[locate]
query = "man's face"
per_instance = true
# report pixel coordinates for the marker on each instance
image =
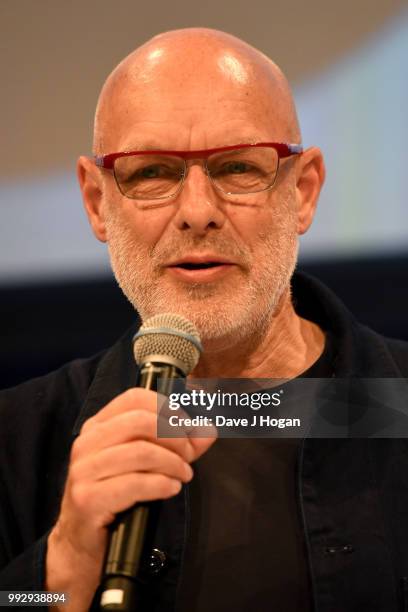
(252, 237)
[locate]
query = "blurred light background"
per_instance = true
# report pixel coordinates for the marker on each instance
(347, 65)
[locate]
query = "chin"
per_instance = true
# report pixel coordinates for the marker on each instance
(220, 320)
(223, 316)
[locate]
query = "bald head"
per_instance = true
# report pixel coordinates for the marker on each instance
(188, 75)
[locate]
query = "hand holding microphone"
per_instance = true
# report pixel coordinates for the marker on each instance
(116, 462)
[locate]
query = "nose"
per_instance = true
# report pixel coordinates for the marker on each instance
(199, 207)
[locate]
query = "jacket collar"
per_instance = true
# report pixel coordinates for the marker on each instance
(116, 372)
(359, 351)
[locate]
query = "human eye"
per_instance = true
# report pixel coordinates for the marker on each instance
(235, 170)
(148, 176)
(234, 164)
(150, 172)
(156, 171)
(235, 167)
(141, 169)
(241, 171)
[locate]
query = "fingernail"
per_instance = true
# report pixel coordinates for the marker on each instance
(177, 486)
(188, 472)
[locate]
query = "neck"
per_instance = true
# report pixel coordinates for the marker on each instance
(284, 348)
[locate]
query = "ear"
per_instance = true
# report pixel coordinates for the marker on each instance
(91, 184)
(310, 175)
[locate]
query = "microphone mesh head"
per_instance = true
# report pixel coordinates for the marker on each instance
(168, 334)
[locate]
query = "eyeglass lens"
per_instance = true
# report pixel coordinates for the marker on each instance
(154, 176)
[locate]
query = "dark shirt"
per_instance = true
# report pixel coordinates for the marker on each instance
(245, 547)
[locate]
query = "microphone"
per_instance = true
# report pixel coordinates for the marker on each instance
(166, 348)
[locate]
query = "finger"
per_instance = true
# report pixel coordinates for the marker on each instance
(201, 445)
(139, 456)
(200, 437)
(132, 399)
(127, 427)
(124, 491)
(105, 498)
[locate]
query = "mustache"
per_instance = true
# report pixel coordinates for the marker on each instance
(175, 249)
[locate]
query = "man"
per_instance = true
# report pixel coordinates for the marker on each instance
(196, 230)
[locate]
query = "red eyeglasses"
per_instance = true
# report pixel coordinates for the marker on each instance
(234, 170)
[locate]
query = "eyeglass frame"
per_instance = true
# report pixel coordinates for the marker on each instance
(284, 150)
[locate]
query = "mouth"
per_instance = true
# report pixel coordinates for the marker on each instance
(200, 269)
(197, 266)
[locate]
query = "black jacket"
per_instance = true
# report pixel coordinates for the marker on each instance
(353, 493)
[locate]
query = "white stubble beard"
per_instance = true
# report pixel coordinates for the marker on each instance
(236, 311)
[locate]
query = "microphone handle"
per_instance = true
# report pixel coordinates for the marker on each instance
(128, 532)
